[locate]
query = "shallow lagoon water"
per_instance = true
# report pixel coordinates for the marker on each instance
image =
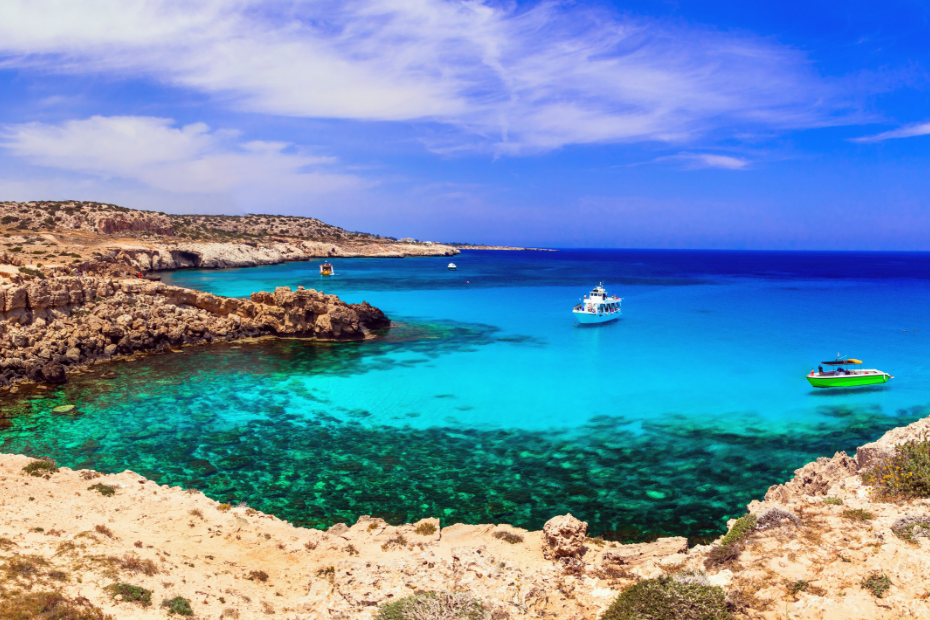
(487, 404)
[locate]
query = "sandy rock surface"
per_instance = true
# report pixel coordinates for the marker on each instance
(804, 558)
(215, 556)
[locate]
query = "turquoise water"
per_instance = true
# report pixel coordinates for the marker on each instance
(487, 404)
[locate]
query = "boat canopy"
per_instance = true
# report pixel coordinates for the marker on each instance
(842, 362)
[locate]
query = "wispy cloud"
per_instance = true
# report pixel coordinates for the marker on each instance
(696, 161)
(188, 159)
(510, 78)
(910, 131)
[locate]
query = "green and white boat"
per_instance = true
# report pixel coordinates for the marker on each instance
(839, 374)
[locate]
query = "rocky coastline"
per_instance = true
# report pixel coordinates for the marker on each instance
(51, 326)
(821, 546)
(89, 235)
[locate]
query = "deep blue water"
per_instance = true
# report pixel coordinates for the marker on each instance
(487, 403)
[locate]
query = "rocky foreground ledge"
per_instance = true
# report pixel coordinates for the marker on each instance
(120, 546)
(54, 325)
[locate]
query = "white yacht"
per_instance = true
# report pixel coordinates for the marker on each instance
(598, 306)
(452, 267)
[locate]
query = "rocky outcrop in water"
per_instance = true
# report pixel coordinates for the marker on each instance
(51, 325)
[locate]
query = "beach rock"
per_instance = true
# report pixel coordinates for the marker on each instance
(563, 536)
(54, 373)
(813, 479)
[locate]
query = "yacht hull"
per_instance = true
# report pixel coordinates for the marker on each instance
(848, 380)
(589, 319)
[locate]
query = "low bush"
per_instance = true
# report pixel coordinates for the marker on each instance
(833, 501)
(396, 541)
(135, 564)
(41, 467)
(775, 517)
(103, 529)
(857, 514)
(48, 605)
(104, 489)
(667, 599)
(258, 575)
(905, 474)
(178, 605)
(740, 529)
(876, 583)
(130, 593)
(24, 566)
(440, 605)
(722, 555)
(509, 537)
(427, 528)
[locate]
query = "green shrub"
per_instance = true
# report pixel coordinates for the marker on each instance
(740, 529)
(666, 599)
(41, 467)
(178, 605)
(905, 474)
(877, 583)
(130, 593)
(104, 489)
(833, 501)
(445, 605)
(857, 514)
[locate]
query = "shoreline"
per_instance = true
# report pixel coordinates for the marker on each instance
(233, 561)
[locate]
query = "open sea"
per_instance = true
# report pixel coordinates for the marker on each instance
(486, 403)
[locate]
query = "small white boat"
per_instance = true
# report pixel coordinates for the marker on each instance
(598, 307)
(452, 267)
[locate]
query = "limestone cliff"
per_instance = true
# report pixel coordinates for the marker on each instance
(50, 325)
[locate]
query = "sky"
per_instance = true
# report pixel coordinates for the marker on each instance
(645, 124)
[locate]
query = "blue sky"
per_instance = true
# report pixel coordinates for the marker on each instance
(793, 125)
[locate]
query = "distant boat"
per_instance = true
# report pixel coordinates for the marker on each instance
(452, 267)
(326, 269)
(598, 307)
(839, 375)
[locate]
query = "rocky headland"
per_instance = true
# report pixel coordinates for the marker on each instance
(825, 545)
(96, 237)
(53, 325)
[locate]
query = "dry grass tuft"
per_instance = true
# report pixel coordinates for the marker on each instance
(48, 606)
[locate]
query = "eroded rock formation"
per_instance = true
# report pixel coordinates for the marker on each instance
(563, 537)
(58, 323)
(814, 478)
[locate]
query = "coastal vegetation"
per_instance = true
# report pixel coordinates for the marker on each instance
(130, 594)
(435, 606)
(905, 474)
(878, 584)
(50, 605)
(669, 599)
(508, 537)
(41, 467)
(178, 605)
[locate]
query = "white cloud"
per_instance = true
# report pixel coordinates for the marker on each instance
(920, 129)
(514, 79)
(189, 159)
(695, 161)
